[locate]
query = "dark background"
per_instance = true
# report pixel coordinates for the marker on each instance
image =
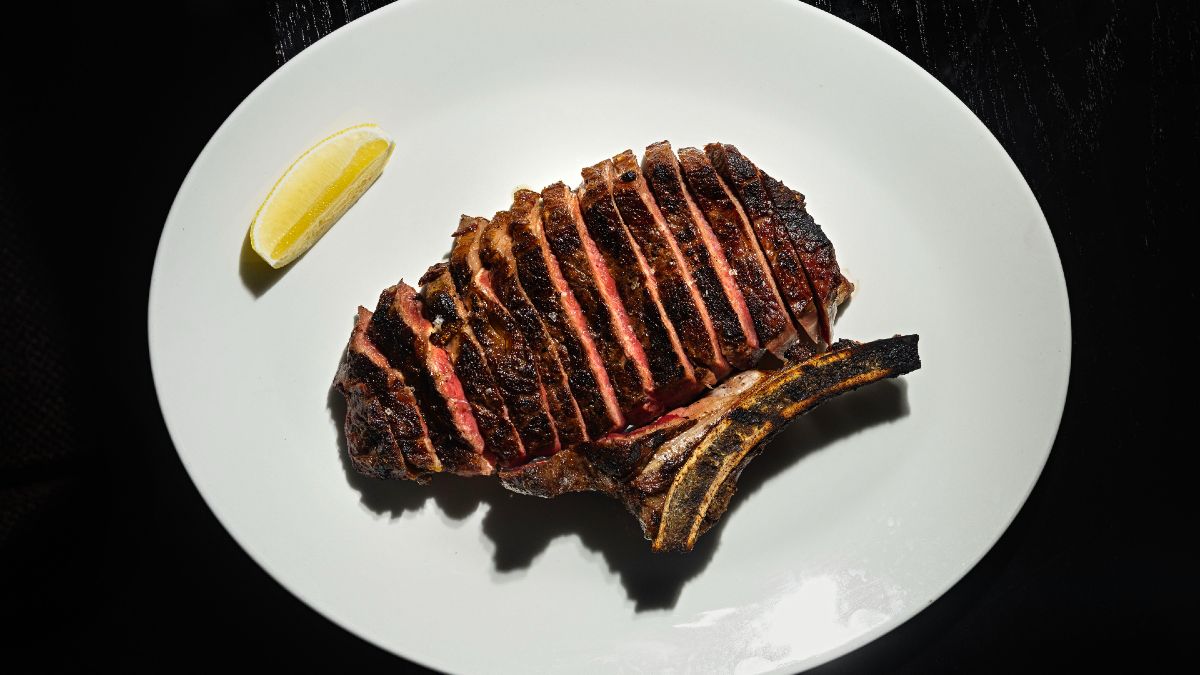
(109, 556)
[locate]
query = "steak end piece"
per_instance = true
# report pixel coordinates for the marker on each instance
(816, 253)
(383, 423)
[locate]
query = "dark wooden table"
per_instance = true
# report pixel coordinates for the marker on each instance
(108, 554)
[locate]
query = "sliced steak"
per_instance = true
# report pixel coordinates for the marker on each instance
(743, 177)
(508, 354)
(748, 265)
(670, 270)
(544, 285)
(452, 332)
(383, 423)
(594, 288)
(815, 250)
(726, 308)
(673, 379)
(549, 345)
(401, 332)
(495, 251)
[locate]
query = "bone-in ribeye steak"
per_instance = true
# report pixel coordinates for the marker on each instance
(612, 339)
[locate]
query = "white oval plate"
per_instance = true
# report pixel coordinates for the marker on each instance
(862, 514)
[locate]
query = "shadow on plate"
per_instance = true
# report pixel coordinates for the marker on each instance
(257, 276)
(522, 527)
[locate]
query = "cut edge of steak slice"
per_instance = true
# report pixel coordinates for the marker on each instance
(451, 332)
(401, 332)
(565, 323)
(495, 251)
(733, 327)
(816, 252)
(743, 177)
(729, 224)
(594, 288)
(508, 354)
(671, 272)
(672, 375)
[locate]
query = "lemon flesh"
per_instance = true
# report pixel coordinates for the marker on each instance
(316, 190)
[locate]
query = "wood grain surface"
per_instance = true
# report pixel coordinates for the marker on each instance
(108, 556)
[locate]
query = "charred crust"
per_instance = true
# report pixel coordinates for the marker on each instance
(749, 417)
(701, 488)
(466, 225)
(433, 272)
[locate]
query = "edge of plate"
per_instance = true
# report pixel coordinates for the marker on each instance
(333, 617)
(835, 23)
(1066, 348)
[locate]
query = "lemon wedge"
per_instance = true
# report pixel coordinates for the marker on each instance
(316, 190)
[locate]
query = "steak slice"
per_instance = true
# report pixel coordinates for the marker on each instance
(670, 270)
(495, 252)
(370, 443)
(673, 379)
(728, 314)
(507, 352)
(544, 284)
(743, 177)
(383, 423)
(401, 332)
(747, 264)
(451, 332)
(815, 250)
(594, 288)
